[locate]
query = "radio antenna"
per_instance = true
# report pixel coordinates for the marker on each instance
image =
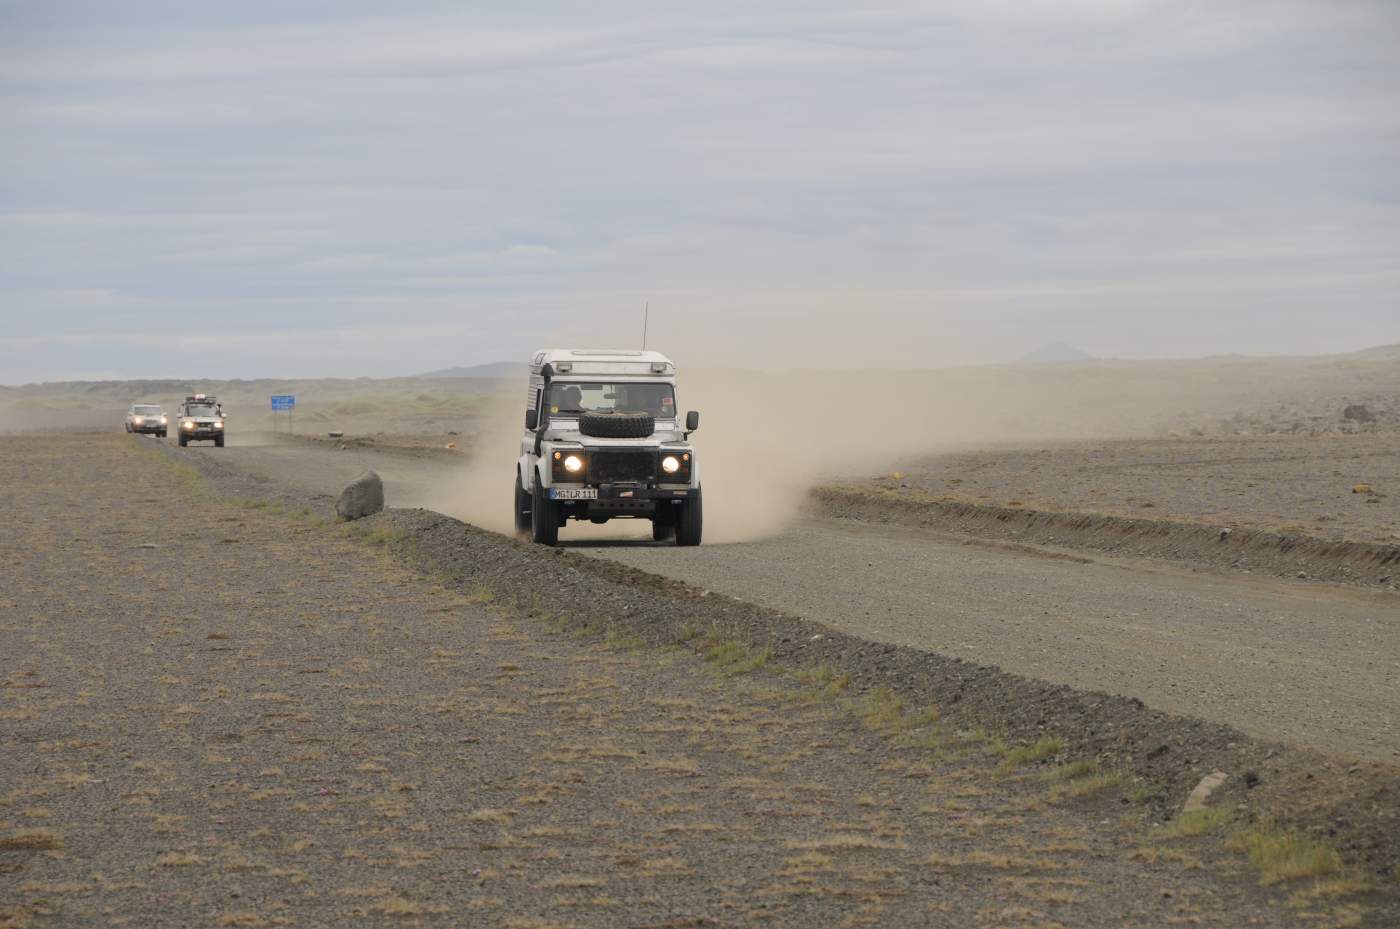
(646, 318)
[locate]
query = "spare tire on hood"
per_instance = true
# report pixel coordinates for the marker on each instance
(615, 424)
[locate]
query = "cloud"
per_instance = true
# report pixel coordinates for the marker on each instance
(1163, 170)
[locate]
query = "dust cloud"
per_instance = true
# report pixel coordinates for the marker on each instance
(767, 438)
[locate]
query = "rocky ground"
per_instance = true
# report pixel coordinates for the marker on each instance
(1336, 486)
(219, 711)
(1314, 507)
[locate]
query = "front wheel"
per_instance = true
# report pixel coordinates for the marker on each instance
(219, 442)
(690, 521)
(522, 509)
(183, 440)
(544, 517)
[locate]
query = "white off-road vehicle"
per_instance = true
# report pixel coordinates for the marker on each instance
(201, 418)
(603, 440)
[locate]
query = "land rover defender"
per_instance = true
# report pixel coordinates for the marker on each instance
(604, 440)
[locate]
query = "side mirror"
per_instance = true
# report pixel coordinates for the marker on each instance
(532, 420)
(692, 421)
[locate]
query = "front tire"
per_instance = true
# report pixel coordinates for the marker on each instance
(183, 440)
(219, 442)
(690, 521)
(522, 509)
(544, 517)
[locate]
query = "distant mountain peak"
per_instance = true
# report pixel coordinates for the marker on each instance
(1055, 352)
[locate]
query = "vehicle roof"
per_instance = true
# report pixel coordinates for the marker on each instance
(551, 355)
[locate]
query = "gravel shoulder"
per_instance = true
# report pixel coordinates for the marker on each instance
(218, 711)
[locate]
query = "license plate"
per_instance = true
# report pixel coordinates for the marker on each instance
(573, 493)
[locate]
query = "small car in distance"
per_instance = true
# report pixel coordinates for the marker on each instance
(147, 419)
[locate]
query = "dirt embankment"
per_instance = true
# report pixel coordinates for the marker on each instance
(1320, 506)
(1255, 550)
(1355, 807)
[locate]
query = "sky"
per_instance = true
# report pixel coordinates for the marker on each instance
(365, 189)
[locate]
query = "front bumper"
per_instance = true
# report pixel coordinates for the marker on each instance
(148, 428)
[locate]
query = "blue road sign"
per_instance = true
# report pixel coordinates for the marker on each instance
(283, 402)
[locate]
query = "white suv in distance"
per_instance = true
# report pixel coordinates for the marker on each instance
(201, 418)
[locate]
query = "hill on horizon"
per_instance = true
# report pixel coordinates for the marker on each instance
(494, 371)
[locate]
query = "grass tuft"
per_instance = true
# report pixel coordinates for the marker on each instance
(1020, 755)
(1197, 822)
(31, 840)
(733, 657)
(826, 676)
(1282, 855)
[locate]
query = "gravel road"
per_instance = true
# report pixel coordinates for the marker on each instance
(1313, 665)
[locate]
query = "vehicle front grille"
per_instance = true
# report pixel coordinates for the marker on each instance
(619, 467)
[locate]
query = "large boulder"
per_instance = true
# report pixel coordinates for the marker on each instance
(364, 496)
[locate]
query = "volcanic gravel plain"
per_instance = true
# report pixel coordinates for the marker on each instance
(219, 708)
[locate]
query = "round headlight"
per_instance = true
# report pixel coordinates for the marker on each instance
(187, 424)
(138, 420)
(218, 424)
(670, 464)
(573, 464)
(164, 419)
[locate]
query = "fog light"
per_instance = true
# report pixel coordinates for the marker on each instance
(670, 464)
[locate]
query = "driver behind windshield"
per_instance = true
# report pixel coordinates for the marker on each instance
(656, 399)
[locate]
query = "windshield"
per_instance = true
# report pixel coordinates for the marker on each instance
(657, 399)
(201, 409)
(146, 410)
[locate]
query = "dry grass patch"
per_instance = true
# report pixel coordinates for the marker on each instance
(397, 905)
(574, 882)
(680, 766)
(993, 861)
(884, 711)
(31, 840)
(841, 842)
(1197, 822)
(499, 817)
(1331, 889)
(1082, 786)
(1013, 757)
(825, 676)
(1281, 855)
(179, 860)
(733, 657)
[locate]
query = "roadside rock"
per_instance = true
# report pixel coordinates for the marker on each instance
(1203, 790)
(364, 496)
(1358, 413)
